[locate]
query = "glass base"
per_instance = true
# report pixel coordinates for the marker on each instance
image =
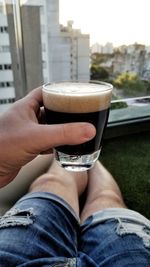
(76, 163)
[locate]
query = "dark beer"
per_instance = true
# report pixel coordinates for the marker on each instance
(98, 119)
(78, 102)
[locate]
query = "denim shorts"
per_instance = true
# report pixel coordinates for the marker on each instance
(43, 230)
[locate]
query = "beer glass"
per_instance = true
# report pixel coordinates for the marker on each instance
(66, 102)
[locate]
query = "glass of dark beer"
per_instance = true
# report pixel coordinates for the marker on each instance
(67, 102)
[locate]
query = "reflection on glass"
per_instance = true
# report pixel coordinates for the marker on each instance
(36, 48)
(130, 109)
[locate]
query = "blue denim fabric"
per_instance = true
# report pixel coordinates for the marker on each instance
(43, 230)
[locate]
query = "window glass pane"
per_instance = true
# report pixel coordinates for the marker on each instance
(119, 50)
(130, 109)
(21, 59)
(56, 40)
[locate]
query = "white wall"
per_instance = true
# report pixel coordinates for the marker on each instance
(83, 59)
(6, 75)
(4, 39)
(4, 107)
(6, 93)
(3, 20)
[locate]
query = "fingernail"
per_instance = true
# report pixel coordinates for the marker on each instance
(90, 131)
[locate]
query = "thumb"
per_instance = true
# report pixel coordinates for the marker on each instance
(49, 136)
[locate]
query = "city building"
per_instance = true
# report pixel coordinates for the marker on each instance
(7, 90)
(36, 49)
(102, 49)
(96, 48)
(133, 58)
(65, 51)
(77, 46)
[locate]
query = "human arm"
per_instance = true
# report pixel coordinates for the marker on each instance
(22, 138)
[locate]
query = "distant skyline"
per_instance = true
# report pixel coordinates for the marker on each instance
(116, 21)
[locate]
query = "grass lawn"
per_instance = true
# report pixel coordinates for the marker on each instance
(128, 159)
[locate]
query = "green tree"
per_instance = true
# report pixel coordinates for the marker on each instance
(98, 73)
(97, 58)
(130, 82)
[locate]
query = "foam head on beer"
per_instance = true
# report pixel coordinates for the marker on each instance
(72, 97)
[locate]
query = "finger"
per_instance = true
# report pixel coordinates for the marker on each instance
(34, 99)
(49, 136)
(36, 94)
(49, 151)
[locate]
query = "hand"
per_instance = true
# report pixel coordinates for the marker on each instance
(22, 138)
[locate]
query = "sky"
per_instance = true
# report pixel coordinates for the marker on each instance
(116, 21)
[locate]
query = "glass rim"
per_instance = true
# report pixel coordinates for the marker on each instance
(107, 86)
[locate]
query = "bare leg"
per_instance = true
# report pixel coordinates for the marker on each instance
(103, 192)
(68, 185)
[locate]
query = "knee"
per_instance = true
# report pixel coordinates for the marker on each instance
(108, 198)
(111, 196)
(44, 181)
(50, 180)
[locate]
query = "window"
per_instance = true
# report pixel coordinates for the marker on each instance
(4, 48)
(7, 101)
(6, 84)
(5, 67)
(2, 84)
(3, 29)
(123, 63)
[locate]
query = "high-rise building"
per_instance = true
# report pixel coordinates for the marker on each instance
(102, 49)
(65, 51)
(7, 90)
(35, 48)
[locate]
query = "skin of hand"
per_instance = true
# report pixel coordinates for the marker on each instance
(23, 136)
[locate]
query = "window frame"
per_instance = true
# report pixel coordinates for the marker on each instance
(128, 126)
